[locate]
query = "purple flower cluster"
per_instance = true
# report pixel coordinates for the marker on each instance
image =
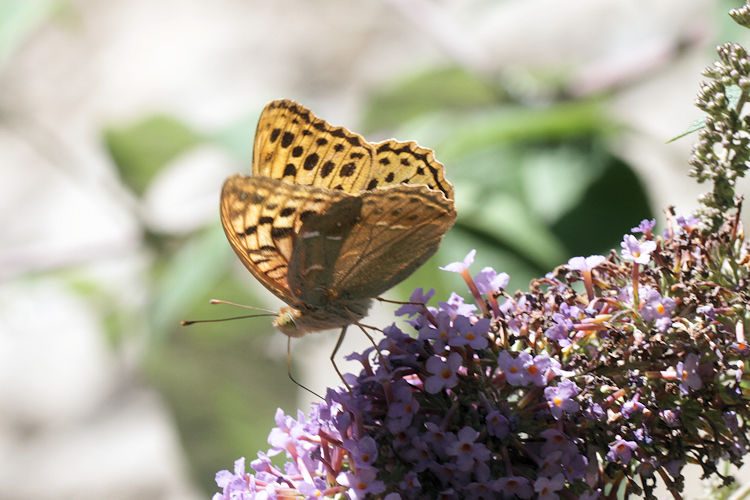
(545, 394)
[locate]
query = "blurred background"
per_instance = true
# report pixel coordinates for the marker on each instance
(120, 119)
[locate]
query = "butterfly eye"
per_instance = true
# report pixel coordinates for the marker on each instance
(291, 321)
(286, 321)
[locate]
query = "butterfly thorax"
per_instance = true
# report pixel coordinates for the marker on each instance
(295, 322)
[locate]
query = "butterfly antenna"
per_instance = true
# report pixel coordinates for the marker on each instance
(289, 369)
(219, 301)
(192, 322)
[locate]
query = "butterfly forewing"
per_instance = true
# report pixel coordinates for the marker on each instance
(398, 163)
(369, 248)
(293, 145)
(262, 217)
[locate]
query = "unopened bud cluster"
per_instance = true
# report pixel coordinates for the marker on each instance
(722, 152)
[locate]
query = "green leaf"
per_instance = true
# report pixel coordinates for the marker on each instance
(554, 178)
(511, 195)
(237, 138)
(539, 184)
(431, 90)
(697, 125)
(614, 202)
(513, 227)
(733, 96)
(185, 277)
(733, 92)
(560, 122)
(141, 149)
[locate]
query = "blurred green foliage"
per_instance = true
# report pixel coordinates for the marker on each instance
(217, 377)
(140, 150)
(535, 185)
(435, 89)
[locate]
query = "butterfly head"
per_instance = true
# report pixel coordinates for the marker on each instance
(294, 322)
(288, 321)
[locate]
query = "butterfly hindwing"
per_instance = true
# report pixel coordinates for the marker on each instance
(362, 246)
(315, 260)
(294, 145)
(399, 229)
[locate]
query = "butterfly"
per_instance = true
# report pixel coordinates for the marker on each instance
(329, 221)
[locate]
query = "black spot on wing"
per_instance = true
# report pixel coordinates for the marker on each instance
(347, 170)
(281, 232)
(311, 161)
(248, 231)
(306, 214)
(327, 169)
(290, 169)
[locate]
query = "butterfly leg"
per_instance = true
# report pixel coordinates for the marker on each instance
(429, 315)
(362, 327)
(333, 357)
(399, 302)
(289, 369)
